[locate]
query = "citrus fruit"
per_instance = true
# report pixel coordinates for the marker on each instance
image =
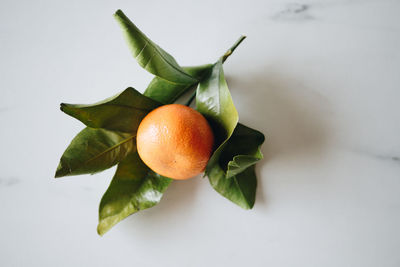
(175, 141)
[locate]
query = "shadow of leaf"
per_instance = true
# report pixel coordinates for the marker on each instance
(173, 207)
(291, 115)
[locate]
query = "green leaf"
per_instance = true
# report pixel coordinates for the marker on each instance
(150, 56)
(167, 92)
(134, 187)
(242, 150)
(231, 168)
(214, 101)
(94, 150)
(240, 189)
(123, 112)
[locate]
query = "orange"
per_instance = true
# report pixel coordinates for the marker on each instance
(175, 141)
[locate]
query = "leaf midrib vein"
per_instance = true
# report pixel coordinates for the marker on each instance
(110, 148)
(117, 105)
(240, 190)
(161, 55)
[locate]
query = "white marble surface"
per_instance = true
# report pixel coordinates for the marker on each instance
(320, 78)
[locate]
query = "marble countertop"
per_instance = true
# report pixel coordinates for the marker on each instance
(319, 78)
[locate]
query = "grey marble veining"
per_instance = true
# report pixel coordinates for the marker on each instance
(384, 157)
(9, 181)
(294, 12)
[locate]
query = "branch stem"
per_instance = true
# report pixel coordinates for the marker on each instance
(230, 50)
(223, 58)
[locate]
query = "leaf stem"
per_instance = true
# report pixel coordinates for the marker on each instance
(223, 58)
(230, 50)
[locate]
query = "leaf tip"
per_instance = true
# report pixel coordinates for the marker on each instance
(62, 106)
(118, 12)
(61, 171)
(67, 108)
(119, 15)
(100, 230)
(248, 205)
(58, 174)
(103, 227)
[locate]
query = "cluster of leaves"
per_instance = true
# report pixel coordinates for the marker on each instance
(109, 137)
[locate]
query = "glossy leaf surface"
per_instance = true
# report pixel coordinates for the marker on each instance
(167, 92)
(214, 101)
(134, 187)
(94, 150)
(150, 56)
(231, 172)
(123, 112)
(242, 150)
(240, 189)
